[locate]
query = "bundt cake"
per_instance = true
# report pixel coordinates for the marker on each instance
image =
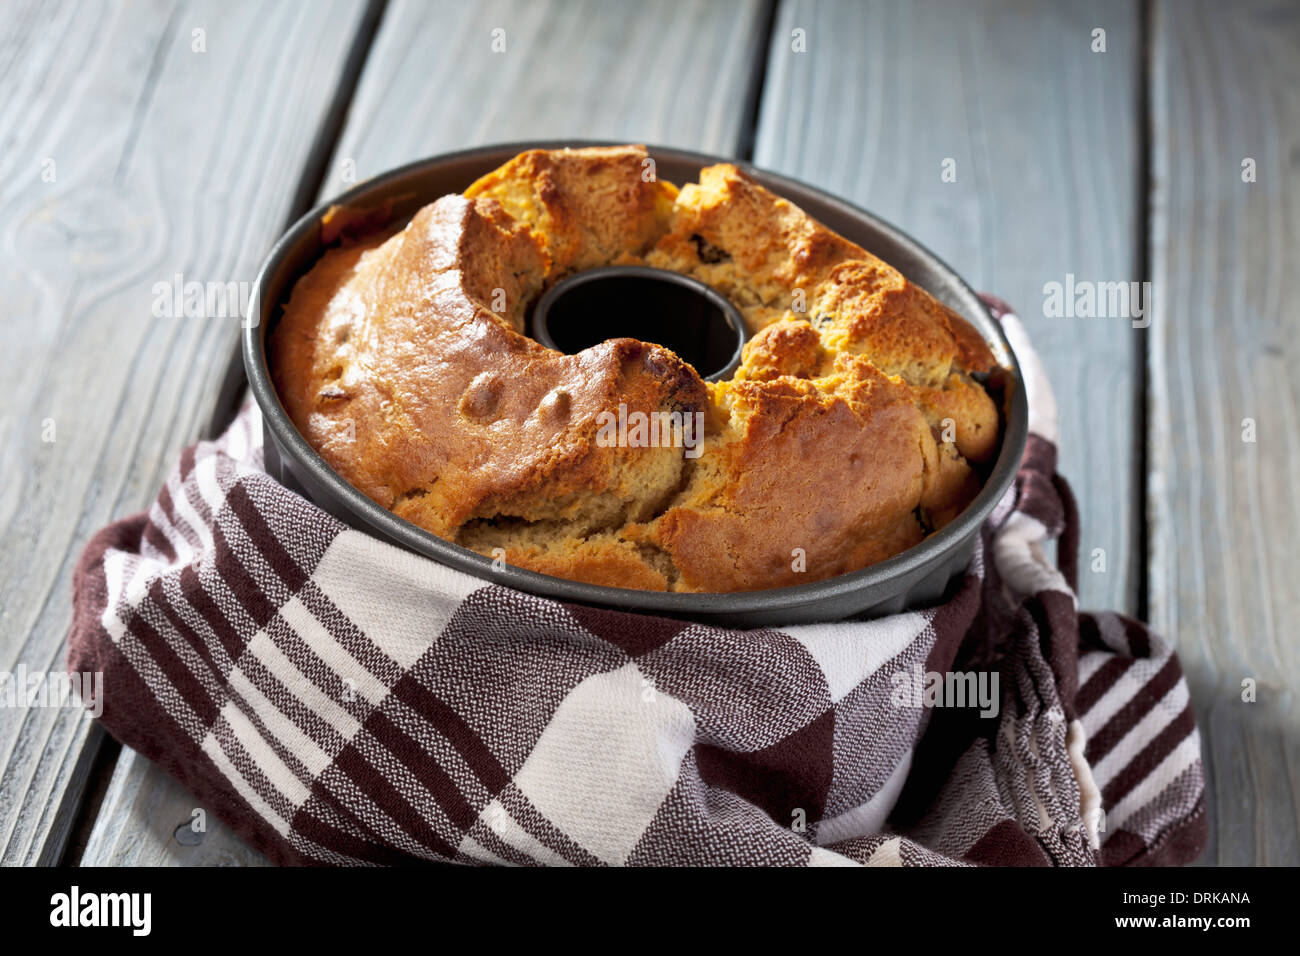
(848, 433)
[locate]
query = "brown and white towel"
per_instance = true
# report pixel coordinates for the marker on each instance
(338, 700)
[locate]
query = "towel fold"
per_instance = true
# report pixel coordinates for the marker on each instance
(338, 700)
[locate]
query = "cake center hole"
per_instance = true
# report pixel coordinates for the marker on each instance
(653, 305)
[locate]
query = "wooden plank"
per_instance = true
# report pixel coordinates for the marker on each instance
(1044, 135)
(151, 827)
(1226, 511)
(669, 73)
(656, 71)
(135, 149)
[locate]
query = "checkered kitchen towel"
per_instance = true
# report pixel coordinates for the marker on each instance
(337, 700)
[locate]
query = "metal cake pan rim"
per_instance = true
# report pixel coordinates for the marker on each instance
(768, 601)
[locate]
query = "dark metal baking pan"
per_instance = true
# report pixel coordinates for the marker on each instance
(919, 576)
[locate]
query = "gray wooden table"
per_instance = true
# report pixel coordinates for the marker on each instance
(146, 139)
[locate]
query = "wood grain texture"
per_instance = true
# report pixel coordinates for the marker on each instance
(670, 73)
(145, 824)
(656, 71)
(165, 160)
(1226, 512)
(1044, 135)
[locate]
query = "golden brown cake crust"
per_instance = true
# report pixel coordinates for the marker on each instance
(842, 440)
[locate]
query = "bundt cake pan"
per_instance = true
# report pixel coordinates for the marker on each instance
(917, 577)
